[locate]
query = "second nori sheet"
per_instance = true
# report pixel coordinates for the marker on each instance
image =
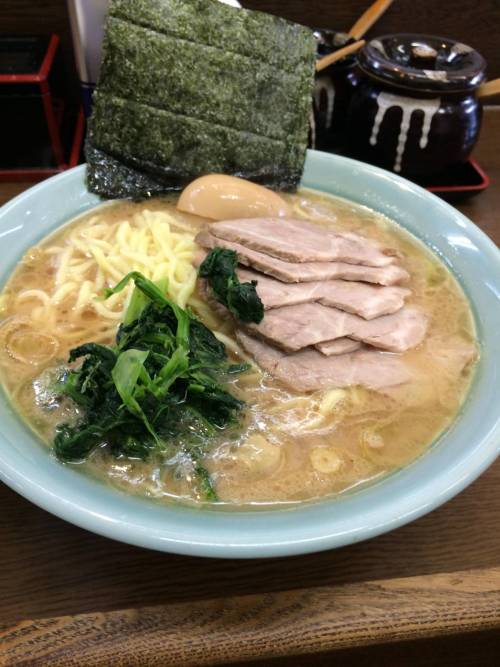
(177, 98)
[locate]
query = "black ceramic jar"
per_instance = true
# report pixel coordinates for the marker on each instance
(414, 110)
(332, 93)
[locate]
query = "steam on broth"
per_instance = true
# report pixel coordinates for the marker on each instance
(289, 446)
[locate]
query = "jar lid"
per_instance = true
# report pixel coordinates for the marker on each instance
(423, 62)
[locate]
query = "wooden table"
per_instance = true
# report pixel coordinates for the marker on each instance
(425, 594)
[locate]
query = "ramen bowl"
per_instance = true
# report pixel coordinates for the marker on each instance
(452, 462)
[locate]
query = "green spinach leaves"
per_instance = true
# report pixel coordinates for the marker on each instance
(242, 300)
(160, 386)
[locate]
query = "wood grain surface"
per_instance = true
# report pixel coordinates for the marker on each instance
(51, 568)
(471, 649)
(68, 597)
(225, 630)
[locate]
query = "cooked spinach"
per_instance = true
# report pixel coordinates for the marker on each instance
(219, 268)
(158, 387)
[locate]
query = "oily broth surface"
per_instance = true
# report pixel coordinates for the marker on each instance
(291, 447)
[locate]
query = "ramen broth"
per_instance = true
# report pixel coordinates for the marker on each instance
(288, 447)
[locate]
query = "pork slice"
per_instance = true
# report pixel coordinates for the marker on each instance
(445, 358)
(309, 370)
(275, 293)
(451, 353)
(361, 299)
(398, 332)
(368, 301)
(295, 327)
(300, 241)
(294, 272)
(338, 346)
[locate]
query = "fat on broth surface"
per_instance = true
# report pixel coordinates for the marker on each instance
(289, 447)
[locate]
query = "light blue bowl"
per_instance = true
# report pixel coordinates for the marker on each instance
(455, 460)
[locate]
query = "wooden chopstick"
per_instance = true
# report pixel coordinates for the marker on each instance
(368, 18)
(338, 55)
(487, 89)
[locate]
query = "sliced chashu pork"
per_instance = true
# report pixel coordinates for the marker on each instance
(340, 346)
(295, 327)
(367, 301)
(300, 241)
(309, 370)
(294, 272)
(444, 359)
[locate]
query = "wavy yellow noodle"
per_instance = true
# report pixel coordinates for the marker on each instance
(97, 254)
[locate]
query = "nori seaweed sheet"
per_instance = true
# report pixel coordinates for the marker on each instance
(190, 87)
(111, 178)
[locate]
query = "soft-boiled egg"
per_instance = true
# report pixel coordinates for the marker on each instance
(221, 197)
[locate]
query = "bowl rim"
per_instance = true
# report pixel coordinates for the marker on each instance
(300, 529)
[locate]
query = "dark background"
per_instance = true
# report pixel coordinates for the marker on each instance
(475, 22)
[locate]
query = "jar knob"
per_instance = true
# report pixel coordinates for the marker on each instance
(423, 56)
